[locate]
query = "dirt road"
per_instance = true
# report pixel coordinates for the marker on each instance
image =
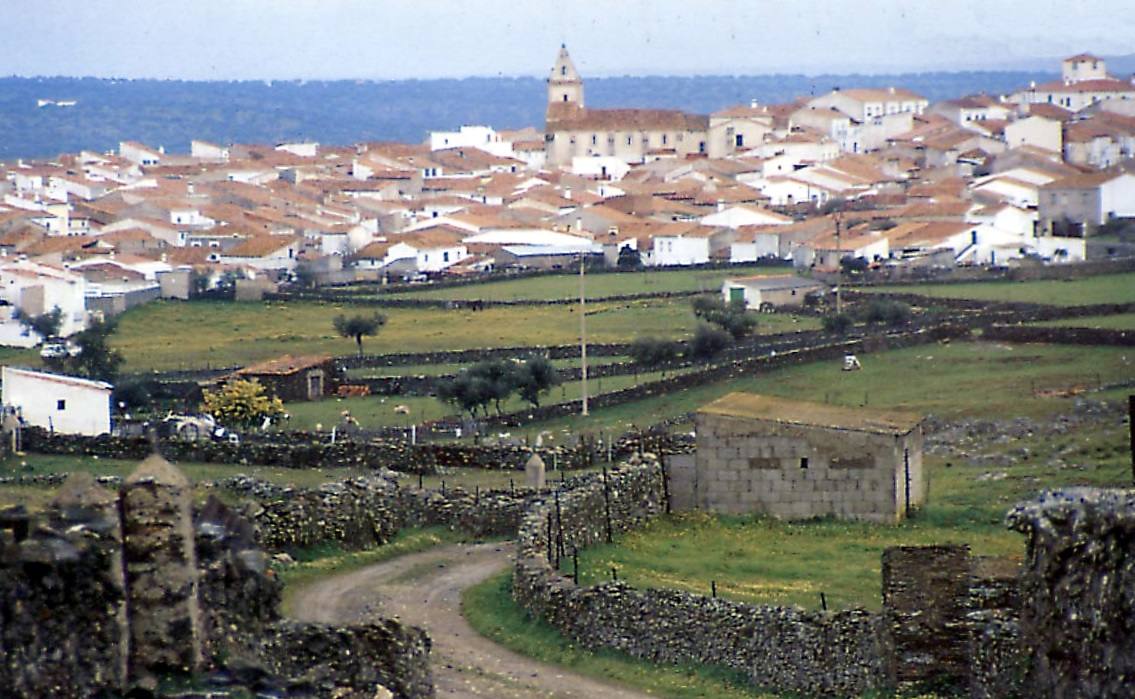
(424, 589)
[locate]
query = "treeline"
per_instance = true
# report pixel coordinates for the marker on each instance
(171, 113)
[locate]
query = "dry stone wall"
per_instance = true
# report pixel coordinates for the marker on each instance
(1078, 592)
(783, 649)
(105, 577)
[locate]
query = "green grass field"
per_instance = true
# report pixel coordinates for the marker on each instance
(1120, 321)
(379, 411)
(175, 335)
(947, 379)
(765, 561)
(566, 286)
(1110, 288)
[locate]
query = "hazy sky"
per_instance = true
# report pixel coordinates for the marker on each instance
(382, 39)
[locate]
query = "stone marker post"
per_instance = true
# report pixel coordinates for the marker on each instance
(161, 570)
(534, 472)
(83, 503)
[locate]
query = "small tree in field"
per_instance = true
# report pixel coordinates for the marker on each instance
(534, 377)
(358, 327)
(241, 403)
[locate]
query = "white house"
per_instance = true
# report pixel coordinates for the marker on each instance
(604, 167)
(744, 215)
(1037, 131)
(769, 290)
(864, 104)
(432, 249)
(694, 245)
(265, 252)
(64, 404)
(483, 137)
(35, 289)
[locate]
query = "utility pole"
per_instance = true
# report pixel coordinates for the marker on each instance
(839, 263)
(583, 332)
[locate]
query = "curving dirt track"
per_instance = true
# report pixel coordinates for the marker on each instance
(424, 589)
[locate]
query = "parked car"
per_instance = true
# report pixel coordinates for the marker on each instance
(58, 348)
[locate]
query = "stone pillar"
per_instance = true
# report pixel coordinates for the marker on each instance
(1077, 604)
(925, 602)
(81, 504)
(534, 476)
(161, 570)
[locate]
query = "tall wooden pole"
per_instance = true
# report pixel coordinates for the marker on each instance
(839, 265)
(583, 333)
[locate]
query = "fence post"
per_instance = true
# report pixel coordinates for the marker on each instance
(906, 477)
(607, 505)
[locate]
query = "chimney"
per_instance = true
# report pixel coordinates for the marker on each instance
(720, 205)
(567, 192)
(578, 223)
(613, 231)
(1032, 84)
(753, 104)
(891, 89)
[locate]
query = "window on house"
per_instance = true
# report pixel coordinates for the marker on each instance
(739, 141)
(445, 256)
(630, 140)
(664, 139)
(565, 97)
(594, 139)
(61, 404)
(803, 462)
(563, 70)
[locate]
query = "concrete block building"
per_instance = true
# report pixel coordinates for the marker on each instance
(797, 460)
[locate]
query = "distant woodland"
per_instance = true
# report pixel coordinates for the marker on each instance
(170, 113)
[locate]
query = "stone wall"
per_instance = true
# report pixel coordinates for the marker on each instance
(62, 596)
(748, 465)
(1078, 592)
(787, 650)
(1060, 336)
(107, 578)
(309, 450)
(925, 602)
(350, 662)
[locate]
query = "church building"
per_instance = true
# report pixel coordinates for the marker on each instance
(632, 135)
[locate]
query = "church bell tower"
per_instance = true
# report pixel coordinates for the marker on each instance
(565, 88)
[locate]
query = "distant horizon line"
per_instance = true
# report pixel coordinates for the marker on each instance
(936, 71)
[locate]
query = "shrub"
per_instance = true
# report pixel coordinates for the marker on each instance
(708, 342)
(837, 323)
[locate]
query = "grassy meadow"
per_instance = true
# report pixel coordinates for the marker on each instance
(1108, 288)
(176, 335)
(566, 286)
(946, 379)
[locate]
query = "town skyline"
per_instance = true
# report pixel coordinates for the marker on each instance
(351, 39)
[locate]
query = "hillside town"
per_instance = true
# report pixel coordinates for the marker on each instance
(829, 397)
(875, 176)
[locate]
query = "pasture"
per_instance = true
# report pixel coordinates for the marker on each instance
(566, 286)
(1108, 288)
(168, 335)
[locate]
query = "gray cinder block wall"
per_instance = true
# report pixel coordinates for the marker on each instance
(797, 460)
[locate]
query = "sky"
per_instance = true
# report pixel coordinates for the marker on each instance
(397, 39)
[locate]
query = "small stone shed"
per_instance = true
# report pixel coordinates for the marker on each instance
(760, 292)
(294, 378)
(796, 460)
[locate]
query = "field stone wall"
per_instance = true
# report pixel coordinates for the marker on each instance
(1078, 592)
(349, 662)
(784, 649)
